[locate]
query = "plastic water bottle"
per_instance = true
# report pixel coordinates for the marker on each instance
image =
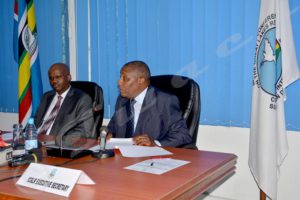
(16, 135)
(31, 135)
(21, 139)
(18, 140)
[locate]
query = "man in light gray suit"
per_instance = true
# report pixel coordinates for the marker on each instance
(64, 112)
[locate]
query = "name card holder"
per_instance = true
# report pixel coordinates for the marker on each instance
(52, 179)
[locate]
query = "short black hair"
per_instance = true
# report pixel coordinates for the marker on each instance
(141, 66)
(63, 65)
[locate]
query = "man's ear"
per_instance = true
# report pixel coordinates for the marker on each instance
(69, 77)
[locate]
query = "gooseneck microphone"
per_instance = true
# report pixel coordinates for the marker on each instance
(70, 148)
(103, 153)
(103, 135)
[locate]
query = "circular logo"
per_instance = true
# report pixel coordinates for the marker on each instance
(268, 62)
(29, 40)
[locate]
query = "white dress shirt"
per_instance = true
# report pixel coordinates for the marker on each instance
(54, 100)
(138, 105)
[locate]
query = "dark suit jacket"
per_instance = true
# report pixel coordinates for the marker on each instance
(160, 118)
(74, 120)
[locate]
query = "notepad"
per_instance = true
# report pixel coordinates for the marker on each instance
(157, 166)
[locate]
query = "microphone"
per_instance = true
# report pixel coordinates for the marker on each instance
(66, 128)
(70, 148)
(34, 155)
(103, 134)
(103, 153)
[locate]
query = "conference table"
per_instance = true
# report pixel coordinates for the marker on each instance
(205, 170)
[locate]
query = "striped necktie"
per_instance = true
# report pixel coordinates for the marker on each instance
(51, 117)
(130, 123)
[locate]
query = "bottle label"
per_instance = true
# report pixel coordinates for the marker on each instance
(18, 152)
(30, 144)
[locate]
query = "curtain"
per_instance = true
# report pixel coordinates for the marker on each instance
(211, 41)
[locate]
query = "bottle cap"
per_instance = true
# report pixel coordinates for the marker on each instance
(30, 121)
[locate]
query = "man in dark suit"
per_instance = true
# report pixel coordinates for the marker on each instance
(64, 112)
(151, 117)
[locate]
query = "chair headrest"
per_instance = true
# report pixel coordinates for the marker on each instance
(182, 87)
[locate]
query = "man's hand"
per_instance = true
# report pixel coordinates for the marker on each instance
(143, 140)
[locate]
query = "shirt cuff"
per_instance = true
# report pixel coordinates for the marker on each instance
(157, 143)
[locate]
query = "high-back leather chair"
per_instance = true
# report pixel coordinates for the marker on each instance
(96, 94)
(188, 94)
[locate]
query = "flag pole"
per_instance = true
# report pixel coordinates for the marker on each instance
(262, 195)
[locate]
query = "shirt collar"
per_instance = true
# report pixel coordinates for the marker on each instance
(64, 94)
(140, 98)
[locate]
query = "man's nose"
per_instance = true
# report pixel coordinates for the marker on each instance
(119, 82)
(54, 80)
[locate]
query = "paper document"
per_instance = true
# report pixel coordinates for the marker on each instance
(128, 149)
(114, 143)
(141, 151)
(157, 166)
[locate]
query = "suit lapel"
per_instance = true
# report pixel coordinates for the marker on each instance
(146, 113)
(45, 107)
(61, 117)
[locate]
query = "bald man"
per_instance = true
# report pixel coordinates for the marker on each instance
(64, 112)
(151, 117)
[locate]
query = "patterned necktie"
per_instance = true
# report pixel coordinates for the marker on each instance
(51, 117)
(130, 123)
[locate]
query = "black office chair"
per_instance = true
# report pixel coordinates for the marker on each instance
(96, 93)
(188, 94)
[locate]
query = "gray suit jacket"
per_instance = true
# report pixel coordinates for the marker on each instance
(74, 120)
(160, 118)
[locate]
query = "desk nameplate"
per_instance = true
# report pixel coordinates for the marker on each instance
(52, 179)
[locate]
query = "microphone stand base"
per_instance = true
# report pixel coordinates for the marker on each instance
(66, 153)
(104, 154)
